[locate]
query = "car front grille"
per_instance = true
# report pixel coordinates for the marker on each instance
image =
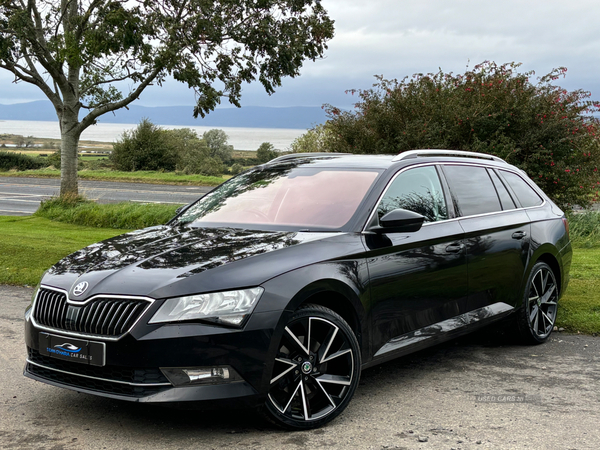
(133, 382)
(103, 316)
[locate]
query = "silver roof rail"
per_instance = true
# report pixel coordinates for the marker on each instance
(303, 155)
(433, 152)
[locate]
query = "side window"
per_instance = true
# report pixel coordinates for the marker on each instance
(505, 198)
(525, 193)
(417, 190)
(472, 189)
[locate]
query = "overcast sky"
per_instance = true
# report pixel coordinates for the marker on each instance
(396, 38)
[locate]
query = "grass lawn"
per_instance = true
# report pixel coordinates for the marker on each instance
(150, 177)
(579, 309)
(123, 215)
(30, 245)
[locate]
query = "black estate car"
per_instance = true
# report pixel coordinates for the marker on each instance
(278, 287)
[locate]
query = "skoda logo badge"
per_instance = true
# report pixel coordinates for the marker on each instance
(80, 288)
(306, 367)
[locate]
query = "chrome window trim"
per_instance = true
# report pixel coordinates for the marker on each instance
(149, 300)
(468, 163)
(96, 378)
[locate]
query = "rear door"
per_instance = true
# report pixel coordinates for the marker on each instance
(497, 235)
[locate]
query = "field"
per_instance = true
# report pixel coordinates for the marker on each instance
(140, 176)
(97, 152)
(45, 145)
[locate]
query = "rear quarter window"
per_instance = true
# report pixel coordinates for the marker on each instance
(505, 198)
(525, 193)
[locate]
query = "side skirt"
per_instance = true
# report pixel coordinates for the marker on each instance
(439, 332)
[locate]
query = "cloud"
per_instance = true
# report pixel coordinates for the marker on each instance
(397, 38)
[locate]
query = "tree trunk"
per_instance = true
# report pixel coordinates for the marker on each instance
(68, 163)
(69, 133)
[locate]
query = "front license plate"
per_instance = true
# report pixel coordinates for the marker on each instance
(74, 350)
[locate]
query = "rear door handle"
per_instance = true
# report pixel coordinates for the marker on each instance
(454, 248)
(519, 234)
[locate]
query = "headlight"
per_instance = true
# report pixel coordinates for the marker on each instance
(29, 308)
(231, 307)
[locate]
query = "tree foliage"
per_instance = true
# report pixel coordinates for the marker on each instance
(538, 126)
(96, 56)
(144, 148)
(149, 147)
(194, 155)
(216, 140)
(266, 152)
(316, 139)
(22, 141)
(18, 161)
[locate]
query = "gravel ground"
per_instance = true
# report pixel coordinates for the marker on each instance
(478, 392)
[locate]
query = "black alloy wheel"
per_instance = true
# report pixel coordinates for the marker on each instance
(316, 369)
(538, 316)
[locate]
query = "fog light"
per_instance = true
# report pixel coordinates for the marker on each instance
(192, 376)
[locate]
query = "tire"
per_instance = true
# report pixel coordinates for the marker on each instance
(316, 370)
(536, 318)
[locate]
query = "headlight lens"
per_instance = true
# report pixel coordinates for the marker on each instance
(29, 309)
(230, 307)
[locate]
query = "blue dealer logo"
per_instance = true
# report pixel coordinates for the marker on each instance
(67, 347)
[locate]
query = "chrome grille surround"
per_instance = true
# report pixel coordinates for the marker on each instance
(109, 317)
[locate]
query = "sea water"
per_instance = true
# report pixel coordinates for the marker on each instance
(240, 138)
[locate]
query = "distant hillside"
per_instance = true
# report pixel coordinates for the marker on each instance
(248, 117)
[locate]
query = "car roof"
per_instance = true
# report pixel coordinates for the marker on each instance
(362, 161)
(346, 160)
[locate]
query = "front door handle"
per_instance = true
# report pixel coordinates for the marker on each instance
(454, 248)
(519, 234)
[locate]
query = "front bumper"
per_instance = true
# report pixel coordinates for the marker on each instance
(132, 366)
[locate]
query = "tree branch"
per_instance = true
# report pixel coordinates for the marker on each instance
(22, 74)
(86, 17)
(39, 45)
(97, 112)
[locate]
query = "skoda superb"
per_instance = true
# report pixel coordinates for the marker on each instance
(278, 287)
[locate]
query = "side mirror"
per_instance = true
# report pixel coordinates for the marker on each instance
(399, 221)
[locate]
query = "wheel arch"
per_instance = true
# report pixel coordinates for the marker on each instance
(339, 302)
(549, 254)
(551, 260)
(339, 286)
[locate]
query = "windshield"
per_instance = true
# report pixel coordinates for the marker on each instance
(297, 197)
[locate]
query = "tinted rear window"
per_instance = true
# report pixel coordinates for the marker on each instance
(472, 189)
(525, 193)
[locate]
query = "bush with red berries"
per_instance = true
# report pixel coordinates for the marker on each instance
(547, 131)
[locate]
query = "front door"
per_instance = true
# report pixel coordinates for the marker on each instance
(416, 279)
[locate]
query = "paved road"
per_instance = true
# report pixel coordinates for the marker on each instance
(22, 196)
(434, 396)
